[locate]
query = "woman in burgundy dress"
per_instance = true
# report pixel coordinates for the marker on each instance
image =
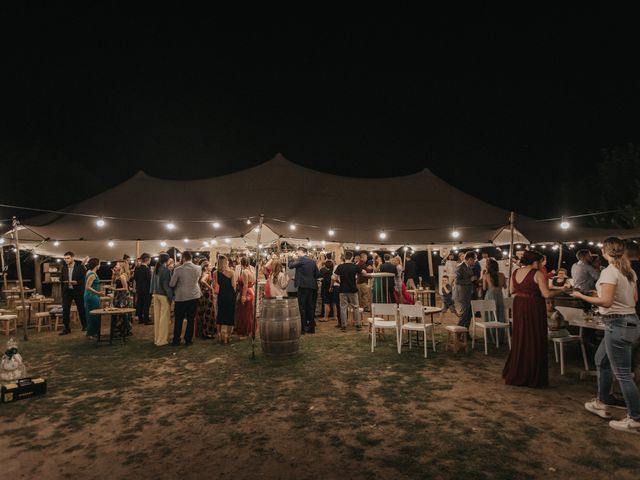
(527, 364)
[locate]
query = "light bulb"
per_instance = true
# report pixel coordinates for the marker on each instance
(248, 221)
(555, 247)
(155, 258)
(504, 252)
(292, 227)
(215, 224)
(197, 254)
(35, 255)
(370, 253)
(599, 245)
(111, 243)
(331, 232)
(564, 224)
(323, 243)
(405, 248)
(108, 263)
(572, 246)
(56, 243)
(100, 222)
(590, 243)
(543, 246)
(227, 240)
(518, 247)
(205, 243)
(477, 250)
(170, 226)
(186, 240)
(382, 235)
(178, 254)
(357, 246)
(455, 234)
(57, 260)
(163, 244)
(1, 241)
(214, 242)
(257, 229)
(532, 246)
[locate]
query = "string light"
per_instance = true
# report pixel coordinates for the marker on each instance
(600, 245)
(155, 258)
(186, 240)
(215, 224)
(590, 243)
(292, 227)
(205, 243)
(543, 246)
(35, 255)
(56, 243)
(455, 234)
(170, 226)
(357, 246)
(518, 247)
(178, 254)
(382, 235)
(1, 241)
(100, 222)
(111, 243)
(227, 240)
(108, 264)
(323, 243)
(505, 253)
(477, 250)
(248, 221)
(163, 244)
(555, 247)
(532, 246)
(214, 241)
(197, 254)
(406, 248)
(257, 229)
(331, 232)
(370, 253)
(564, 224)
(572, 246)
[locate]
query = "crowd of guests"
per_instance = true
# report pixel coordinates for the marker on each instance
(213, 301)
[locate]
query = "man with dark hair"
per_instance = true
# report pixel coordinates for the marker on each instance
(346, 273)
(72, 279)
(583, 275)
(186, 284)
(388, 283)
(305, 281)
(463, 288)
(142, 278)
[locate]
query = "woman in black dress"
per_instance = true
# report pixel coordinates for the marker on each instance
(225, 286)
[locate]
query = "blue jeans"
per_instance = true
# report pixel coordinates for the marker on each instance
(613, 357)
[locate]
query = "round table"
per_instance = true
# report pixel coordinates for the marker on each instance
(114, 313)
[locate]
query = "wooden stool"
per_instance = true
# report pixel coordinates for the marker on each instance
(453, 338)
(23, 315)
(58, 322)
(8, 323)
(43, 320)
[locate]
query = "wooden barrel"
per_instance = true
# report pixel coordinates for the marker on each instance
(280, 326)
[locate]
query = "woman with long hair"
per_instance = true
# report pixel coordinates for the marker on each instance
(205, 324)
(225, 284)
(245, 299)
(527, 363)
(92, 297)
(616, 299)
(277, 280)
(493, 281)
(122, 295)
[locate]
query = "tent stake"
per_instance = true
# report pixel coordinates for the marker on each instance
(20, 286)
(512, 219)
(257, 293)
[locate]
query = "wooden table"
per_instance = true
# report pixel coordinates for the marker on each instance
(114, 313)
(420, 295)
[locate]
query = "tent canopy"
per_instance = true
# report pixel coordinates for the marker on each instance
(417, 210)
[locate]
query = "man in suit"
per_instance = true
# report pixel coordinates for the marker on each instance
(142, 277)
(306, 282)
(73, 279)
(185, 282)
(463, 288)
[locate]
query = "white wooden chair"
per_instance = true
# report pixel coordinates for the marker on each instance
(415, 312)
(8, 323)
(488, 307)
(378, 312)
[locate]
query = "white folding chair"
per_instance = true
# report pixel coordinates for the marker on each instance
(378, 312)
(488, 307)
(415, 312)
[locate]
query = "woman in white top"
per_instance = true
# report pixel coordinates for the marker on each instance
(277, 279)
(616, 299)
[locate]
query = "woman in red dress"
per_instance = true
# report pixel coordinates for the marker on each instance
(246, 297)
(527, 363)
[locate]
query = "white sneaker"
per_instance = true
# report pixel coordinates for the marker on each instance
(598, 408)
(626, 425)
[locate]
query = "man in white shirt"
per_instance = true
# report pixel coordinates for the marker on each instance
(186, 288)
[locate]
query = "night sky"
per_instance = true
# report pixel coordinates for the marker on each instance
(507, 105)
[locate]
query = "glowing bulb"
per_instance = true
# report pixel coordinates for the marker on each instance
(178, 254)
(331, 232)
(100, 222)
(227, 240)
(170, 226)
(1, 241)
(35, 255)
(590, 243)
(357, 246)
(108, 263)
(56, 243)
(186, 240)
(248, 221)
(555, 247)
(477, 250)
(111, 243)
(197, 254)
(564, 224)
(163, 244)
(405, 248)
(382, 235)
(505, 253)
(215, 224)
(323, 243)
(155, 258)
(532, 246)
(455, 234)
(57, 260)
(572, 246)
(214, 242)
(518, 247)
(205, 243)
(257, 229)
(292, 227)
(543, 246)
(600, 245)
(260, 246)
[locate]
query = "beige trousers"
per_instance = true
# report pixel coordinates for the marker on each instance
(161, 319)
(364, 296)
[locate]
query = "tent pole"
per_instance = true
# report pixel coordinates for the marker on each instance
(4, 274)
(255, 297)
(512, 220)
(430, 263)
(560, 256)
(20, 286)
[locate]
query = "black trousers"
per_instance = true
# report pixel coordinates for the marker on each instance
(184, 310)
(69, 296)
(143, 302)
(307, 306)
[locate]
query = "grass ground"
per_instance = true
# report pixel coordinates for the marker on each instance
(335, 410)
